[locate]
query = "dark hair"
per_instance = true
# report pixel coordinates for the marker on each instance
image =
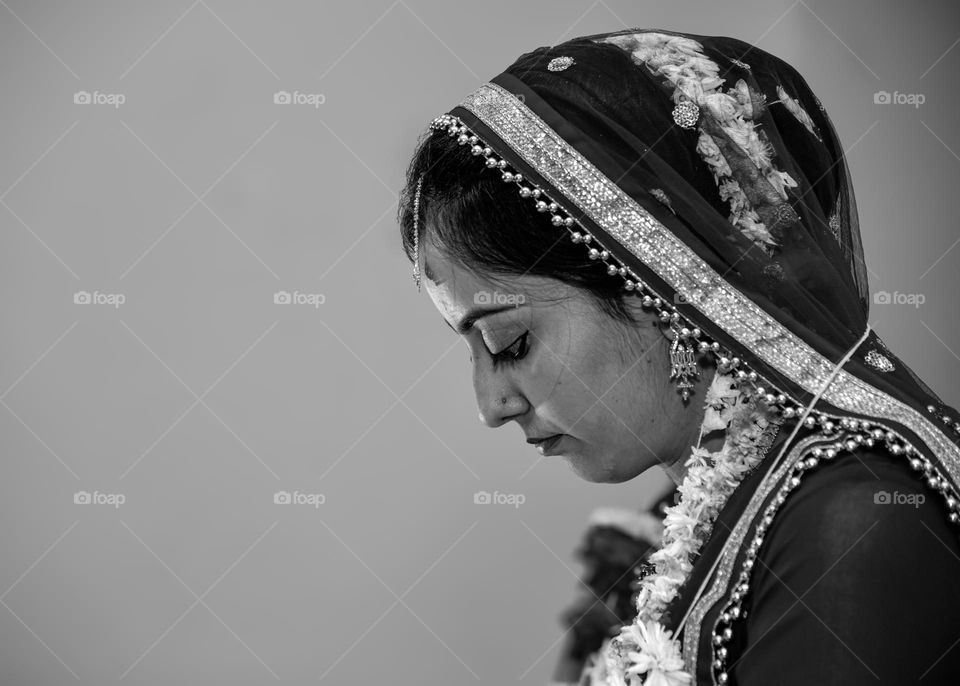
(483, 224)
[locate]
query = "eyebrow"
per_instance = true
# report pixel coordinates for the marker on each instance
(475, 315)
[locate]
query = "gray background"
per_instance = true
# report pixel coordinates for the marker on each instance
(198, 397)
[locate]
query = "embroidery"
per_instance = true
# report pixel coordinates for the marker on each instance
(659, 194)
(649, 241)
(560, 63)
(879, 361)
(796, 109)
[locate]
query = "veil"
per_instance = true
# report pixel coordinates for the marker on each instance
(745, 226)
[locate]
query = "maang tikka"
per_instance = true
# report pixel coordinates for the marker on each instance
(683, 362)
(416, 233)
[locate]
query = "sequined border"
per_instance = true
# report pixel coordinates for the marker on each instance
(721, 581)
(678, 265)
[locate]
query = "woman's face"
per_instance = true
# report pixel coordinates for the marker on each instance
(563, 366)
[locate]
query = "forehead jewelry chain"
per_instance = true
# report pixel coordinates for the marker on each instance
(416, 233)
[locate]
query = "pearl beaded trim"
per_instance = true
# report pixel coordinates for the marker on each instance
(695, 283)
(642, 234)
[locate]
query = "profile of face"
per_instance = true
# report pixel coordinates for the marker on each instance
(547, 357)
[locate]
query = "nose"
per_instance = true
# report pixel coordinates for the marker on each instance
(497, 397)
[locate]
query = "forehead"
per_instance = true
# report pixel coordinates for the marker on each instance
(457, 291)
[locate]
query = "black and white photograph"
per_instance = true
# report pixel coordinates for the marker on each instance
(273, 270)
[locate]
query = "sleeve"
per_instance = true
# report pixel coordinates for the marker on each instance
(858, 582)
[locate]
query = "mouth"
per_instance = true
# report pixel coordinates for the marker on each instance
(548, 445)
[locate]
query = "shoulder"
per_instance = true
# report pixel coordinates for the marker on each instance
(858, 566)
(865, 498)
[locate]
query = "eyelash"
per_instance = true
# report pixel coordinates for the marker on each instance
(506, 357)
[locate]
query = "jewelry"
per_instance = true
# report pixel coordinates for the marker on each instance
(683, 362)
(560, 63)
(685, 114)
(416, 233)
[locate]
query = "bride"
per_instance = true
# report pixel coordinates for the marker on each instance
(649, 241)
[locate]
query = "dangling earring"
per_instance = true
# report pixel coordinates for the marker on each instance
(683, 362)
(416, 233)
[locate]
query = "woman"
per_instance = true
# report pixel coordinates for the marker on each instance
(650, 242)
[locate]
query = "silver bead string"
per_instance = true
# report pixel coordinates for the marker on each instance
(748, 380)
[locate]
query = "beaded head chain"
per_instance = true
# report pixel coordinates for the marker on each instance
(416, 233)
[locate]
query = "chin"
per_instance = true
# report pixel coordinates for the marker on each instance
(598, 471)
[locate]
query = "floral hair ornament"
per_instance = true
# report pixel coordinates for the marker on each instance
(416, 233)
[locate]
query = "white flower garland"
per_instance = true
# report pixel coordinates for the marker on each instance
(696, 78)
(645, 652)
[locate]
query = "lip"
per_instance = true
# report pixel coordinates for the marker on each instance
(548, 446)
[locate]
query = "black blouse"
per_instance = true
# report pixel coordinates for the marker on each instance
(857, 582)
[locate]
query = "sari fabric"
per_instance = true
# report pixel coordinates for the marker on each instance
(709, 176)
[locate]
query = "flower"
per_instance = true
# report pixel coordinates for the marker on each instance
(657, 655)
(721, 106)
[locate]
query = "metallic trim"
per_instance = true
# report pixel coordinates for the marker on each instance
(678, 265)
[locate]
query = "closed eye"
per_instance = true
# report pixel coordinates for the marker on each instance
(513, 353)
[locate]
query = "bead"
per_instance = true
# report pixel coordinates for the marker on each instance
(810, 422)
(628, 285)
(569, 221)
(461, 139)
(537, 192)
(556, 220)
(553, 207)
(491, 162)
(722, 678)
(604, 255)
(502, 164)
(933, 482)
(576, 237)
(473, 140)
(487, 152)
(593, 254)
(541, 206)
(611, 270)
(931, 409)
(954, 518)
(587, 238)
(475, 150)
(518, 177)
(507, 176)
(524, 192)
(703, 346)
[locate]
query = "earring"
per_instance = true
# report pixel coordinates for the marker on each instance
(683, 362)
